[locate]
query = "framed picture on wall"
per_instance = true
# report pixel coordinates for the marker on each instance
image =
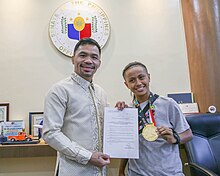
(35, 123)
(4, 112)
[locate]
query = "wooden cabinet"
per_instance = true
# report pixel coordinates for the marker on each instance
(26, 150)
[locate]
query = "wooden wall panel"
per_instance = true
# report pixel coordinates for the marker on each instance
(202, 30)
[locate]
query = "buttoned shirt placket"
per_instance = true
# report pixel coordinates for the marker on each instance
(92, 92)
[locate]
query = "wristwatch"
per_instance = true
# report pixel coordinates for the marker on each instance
(177, 137)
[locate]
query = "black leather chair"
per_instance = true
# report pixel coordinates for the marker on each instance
(203, 151)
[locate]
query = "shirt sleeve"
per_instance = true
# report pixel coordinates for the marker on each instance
(177, 118)
(54, 112)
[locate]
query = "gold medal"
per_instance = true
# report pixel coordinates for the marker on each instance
(149, 132)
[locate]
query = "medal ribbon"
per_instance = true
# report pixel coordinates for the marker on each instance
(151, 115)
(142, 114)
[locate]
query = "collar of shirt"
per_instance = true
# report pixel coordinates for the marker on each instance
(82, 82)
(142, 105)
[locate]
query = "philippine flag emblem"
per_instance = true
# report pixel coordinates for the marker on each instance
(79, 29)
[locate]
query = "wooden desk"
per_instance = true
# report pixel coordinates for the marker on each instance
(26, 150)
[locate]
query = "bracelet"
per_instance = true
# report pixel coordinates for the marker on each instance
(177, 137)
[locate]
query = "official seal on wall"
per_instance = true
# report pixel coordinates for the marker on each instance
(75, 20)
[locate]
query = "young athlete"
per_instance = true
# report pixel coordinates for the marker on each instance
(162, 126)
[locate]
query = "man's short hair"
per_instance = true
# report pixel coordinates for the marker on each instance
(86, 41)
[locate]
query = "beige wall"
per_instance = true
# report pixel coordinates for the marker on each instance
(144, 30)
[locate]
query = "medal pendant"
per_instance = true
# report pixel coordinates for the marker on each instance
(149, 132)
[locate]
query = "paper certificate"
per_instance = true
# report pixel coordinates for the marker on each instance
(121, 133)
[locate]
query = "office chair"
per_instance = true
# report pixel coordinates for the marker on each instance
(203, 151)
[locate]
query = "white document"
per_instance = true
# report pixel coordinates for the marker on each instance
(121, 133)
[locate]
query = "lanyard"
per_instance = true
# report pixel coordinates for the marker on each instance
(146, 116)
